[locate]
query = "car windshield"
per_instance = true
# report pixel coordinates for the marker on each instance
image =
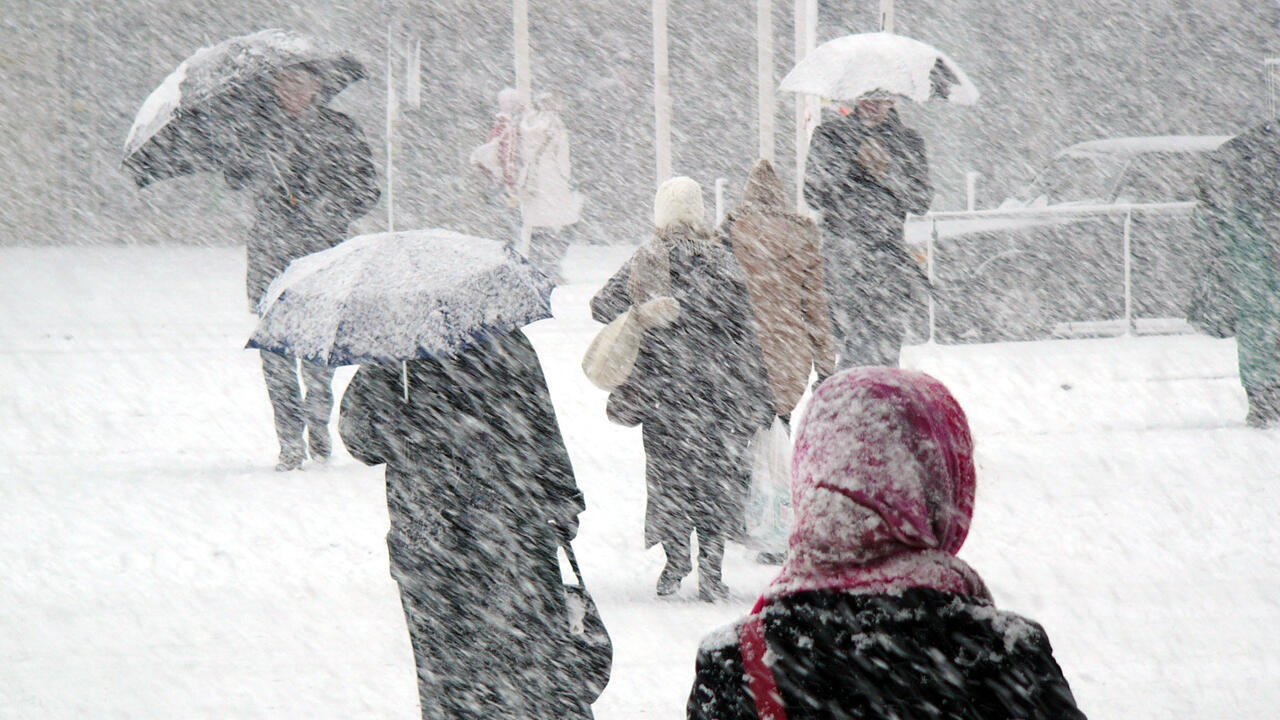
(1160, 177)
(1074, 178)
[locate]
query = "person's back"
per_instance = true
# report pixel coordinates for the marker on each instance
(920, 654)
(873, 615)
(779, 253)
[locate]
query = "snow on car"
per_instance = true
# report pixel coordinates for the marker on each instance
(1101, 240)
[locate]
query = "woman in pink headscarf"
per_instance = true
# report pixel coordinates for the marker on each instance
(873, 615)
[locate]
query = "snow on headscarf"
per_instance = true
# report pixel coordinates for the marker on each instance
(883, 483)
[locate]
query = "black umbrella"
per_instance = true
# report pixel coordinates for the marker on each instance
(188, 123)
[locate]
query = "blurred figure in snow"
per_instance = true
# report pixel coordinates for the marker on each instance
(780, 254)
(1239, 219)
(779, 251)
(478, 481)
(873, 615)
(547, 200)
(312, 174)
(499, 157)
(866, 171)
(698, 386)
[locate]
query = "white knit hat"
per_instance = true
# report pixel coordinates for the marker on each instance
(678, 200)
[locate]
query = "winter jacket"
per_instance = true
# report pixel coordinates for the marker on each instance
(699, 386)
(546, 196)
(920, 654)
(311, 176)
(859, 201)
(874, 285)
(779, 251)
(1240, 218)
(476, 471)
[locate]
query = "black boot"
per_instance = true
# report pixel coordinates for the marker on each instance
(711, 587)
(678, 565)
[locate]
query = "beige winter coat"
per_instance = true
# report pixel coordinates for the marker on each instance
(779, 253)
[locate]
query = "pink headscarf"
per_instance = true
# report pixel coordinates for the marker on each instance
(883, 484)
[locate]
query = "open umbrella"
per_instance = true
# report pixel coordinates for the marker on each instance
(392, 297)
(187, 124)
(850, 66)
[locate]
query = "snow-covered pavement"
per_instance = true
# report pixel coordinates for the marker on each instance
(152, 565)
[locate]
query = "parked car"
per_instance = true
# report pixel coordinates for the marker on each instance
(1053, 255)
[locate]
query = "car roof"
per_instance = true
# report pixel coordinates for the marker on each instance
(1149, 144)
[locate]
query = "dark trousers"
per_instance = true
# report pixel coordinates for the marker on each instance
(547, 249)
(710, 554)
(294, 411)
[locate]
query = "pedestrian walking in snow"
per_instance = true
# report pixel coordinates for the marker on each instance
(779, 251)
(873, 615)
(1240, 218)
(478, 485)
(698, 386)
(548, 202)
(867, 170)
(311, 174)
(498, 158)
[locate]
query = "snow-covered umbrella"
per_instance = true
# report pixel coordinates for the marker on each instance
(396, 296)
(850, 66)
(186, 123)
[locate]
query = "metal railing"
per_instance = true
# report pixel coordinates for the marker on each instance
(1127, 210)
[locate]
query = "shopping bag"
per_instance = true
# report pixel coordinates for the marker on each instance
(769, 512)
(612, 354)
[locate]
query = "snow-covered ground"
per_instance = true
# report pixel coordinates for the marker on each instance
(152, 565)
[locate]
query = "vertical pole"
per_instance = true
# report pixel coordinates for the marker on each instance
(765, 101)
(807, 107)
(886, 16)
(720, 209)
(661, 92)
(391, 111)
(520, 23)
(1128, 273)
(933, 310)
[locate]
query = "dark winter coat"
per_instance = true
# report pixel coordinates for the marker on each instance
(476, 469)
(855, 199)
(1240, 217)
(924, 654)
(873, 283)
(700, 389)
(312, 176)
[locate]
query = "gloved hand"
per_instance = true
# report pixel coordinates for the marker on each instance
(658, 312)
(566, 526)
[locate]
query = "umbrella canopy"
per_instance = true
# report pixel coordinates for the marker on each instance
(186, 124)
(853, 65)
(391, 297)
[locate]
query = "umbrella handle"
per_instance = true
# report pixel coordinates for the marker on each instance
(404, 378)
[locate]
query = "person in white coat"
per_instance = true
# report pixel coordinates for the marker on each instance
(548, 202)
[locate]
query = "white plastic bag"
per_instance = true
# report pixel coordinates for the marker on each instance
(769, 513)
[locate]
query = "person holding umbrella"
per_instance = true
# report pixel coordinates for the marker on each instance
(867, 170)
(311, 173)
(253, 107)
(451, 397)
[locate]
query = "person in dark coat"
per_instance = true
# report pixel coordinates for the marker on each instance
(698, 387)
(478, 485)
(312, 174)
(1239, 219)
(866, 171)
(873, 615)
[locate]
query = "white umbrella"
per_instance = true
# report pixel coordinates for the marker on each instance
(850, 66)
(391, 297)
